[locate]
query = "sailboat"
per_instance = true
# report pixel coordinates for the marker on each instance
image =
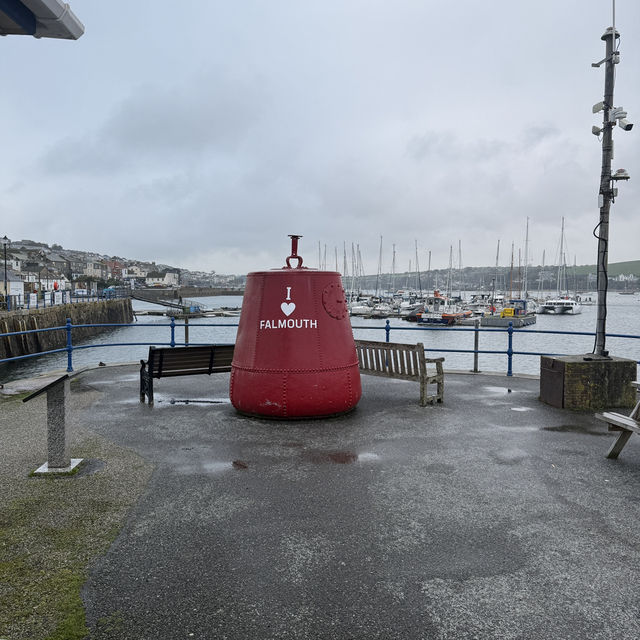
(562, 304)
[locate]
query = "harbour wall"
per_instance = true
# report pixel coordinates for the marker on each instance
(186, 292)
(105, 311)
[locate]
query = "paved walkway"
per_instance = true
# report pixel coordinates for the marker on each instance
(491, 516)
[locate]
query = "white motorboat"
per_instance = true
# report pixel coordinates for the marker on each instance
(560, 306)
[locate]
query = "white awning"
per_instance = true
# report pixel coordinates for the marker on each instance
(39, 18)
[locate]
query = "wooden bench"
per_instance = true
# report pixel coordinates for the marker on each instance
(164, 362)
(403, 361)
(627, 425)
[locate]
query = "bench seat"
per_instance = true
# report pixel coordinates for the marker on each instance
(403, 361)
(627, 425)
(165, 362)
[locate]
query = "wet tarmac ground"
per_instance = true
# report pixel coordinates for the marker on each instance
(489, 516)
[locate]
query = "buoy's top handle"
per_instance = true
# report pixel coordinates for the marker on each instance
(294, 253)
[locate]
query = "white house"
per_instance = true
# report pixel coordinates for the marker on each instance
(154, 282)
(15, 286)
(171, 279)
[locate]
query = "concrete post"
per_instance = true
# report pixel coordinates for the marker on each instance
(56, 438)
(58, 461)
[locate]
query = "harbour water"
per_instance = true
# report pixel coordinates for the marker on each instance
(623, 317)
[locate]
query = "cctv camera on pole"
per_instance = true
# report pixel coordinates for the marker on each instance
(610, 117)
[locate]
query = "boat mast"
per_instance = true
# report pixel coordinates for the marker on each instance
(559, 276)
(379, 272)
(418, 271)
(360, 267)
(541, 278)
(511, 274)
(450, 275)
(526, 261)
(519, 274)
(344, 260)
(460, 278)
(354, 271)
(495, 280)
(393, 270)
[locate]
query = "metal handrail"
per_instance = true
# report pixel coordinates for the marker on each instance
(387, 328)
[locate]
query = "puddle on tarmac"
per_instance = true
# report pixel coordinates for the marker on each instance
(213, 467)
(368, 457)
(339, 457)
(134, 378)
(498, 390)
(166, 401)
(575, 428)
(200, 401)
(521, 408)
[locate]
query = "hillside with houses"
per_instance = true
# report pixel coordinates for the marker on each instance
(35, 267)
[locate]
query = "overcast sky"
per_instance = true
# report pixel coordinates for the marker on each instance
(201, 134)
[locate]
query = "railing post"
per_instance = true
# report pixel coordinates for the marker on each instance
(69, 346)
(173, 332)
(476, 344)
(387, 329)
(510, 350)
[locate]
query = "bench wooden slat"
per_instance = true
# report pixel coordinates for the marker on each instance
(415, 364)
(619, 420)
(404, 369)
(394, 361)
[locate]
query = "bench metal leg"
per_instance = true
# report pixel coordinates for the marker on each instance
(618, 445)
(146, 386)
(142, 386)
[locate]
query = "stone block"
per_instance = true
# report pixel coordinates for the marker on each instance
(587, 382)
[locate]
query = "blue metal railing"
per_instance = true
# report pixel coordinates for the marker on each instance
(387, 328)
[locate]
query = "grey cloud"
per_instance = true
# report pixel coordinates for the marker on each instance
(155, 125)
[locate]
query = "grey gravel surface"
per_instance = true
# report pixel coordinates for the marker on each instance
(52, 528)
(491, 516)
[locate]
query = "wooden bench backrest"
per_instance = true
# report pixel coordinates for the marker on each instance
(404, 361)
(178, 361)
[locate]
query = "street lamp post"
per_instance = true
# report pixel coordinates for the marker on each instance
(5, 241)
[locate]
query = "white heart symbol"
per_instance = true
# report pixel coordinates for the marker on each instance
(288, 308)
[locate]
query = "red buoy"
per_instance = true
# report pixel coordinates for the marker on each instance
(295, 355)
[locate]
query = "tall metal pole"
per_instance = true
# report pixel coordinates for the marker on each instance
(6, 293)
(5, 241)
(606, 192)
